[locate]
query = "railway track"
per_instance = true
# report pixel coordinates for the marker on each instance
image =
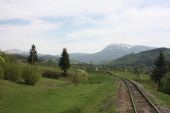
(140, 103)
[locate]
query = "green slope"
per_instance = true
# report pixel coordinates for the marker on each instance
(146, 57)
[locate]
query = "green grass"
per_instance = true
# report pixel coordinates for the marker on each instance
(157, 97)
(59, 96)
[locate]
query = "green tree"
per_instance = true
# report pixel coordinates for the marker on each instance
(166, 83)
(33, 57)
(64, 62)
(159, 70)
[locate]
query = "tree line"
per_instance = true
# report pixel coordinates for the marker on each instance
(29, 73)
(160, 74)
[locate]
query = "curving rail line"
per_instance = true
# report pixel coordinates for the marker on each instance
(140, 103)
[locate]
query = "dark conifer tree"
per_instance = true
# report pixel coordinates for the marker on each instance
(33, 57)
(64, 62)
(159, 70)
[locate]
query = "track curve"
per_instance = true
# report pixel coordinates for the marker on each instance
(140, 103)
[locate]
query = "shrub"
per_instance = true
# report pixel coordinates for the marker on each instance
(79, 77)
(1, 73)
(30, 75)
(12, 72)
(51, 74)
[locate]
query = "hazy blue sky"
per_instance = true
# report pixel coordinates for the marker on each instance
(83, 25)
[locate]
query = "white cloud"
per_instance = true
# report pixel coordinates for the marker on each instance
(39, 8)
(131, 22)
(23, 36)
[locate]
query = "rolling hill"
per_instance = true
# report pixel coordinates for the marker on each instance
(145, 57)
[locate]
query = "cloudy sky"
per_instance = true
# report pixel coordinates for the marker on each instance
(83, 25)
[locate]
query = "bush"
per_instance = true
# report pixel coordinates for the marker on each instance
(51, 74)
(12, 72)
(30, 75)
(1, 73)
(79, 77)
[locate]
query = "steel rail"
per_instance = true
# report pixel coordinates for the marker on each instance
(130, 93)
(143, 94)
(131, 98)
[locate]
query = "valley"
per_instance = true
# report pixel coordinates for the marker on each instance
(84, 56)
(88, 88)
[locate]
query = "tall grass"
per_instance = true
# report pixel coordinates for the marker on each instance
(12, 72)
(1, 73)
(59, 96)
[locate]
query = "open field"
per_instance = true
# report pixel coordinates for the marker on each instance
(60, 96)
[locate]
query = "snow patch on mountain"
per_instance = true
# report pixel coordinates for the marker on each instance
(114, 46)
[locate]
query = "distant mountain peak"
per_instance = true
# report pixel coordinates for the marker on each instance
(14, 51)
(20, 52)
(123, 45)
(114, 46)
(110, 52)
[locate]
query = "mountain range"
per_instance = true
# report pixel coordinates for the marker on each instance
(109, 53)
(113, 54)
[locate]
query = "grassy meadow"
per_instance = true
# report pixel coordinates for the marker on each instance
(95, 95)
